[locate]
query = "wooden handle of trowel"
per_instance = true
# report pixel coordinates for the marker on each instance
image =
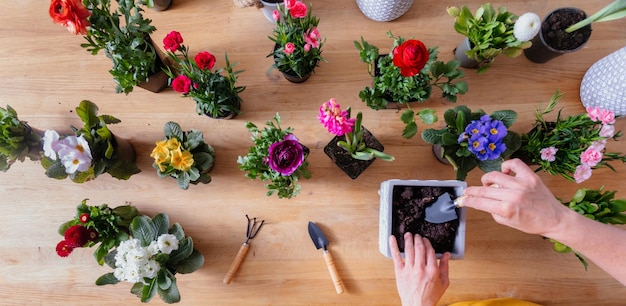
(330, 263)
(243, 250)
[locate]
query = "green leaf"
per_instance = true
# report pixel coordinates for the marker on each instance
(171, 294)
(177, 231)
(107, 279)
(161, 223)
(432, 136)
(410, 130)
(507, 117)
(87, 111)
(143, 229)
(172, 129)
(185, 247)
(428, 116)
(163, 280)
(407, 116)
(191, 263)
(148, 291)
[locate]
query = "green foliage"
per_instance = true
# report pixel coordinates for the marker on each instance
(390, 86)
(614, 10)
(490, 33)
(17, 140)
(104, 147)
(458, 154)
(571, 135)
(290, 29)
(126, 40)
(177, 141)
(184, 260)
(254, 163)
(354, 143)
(215, 94)
(598, 205)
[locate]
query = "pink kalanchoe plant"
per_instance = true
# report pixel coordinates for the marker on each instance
(573, 146)
(338, 122)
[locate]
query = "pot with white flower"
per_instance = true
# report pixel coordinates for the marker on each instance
(124, 35)
(474, 139)
(406, 74)
(358, 149)
(91, 151)
(276, 156)
(183, 155)
(297, 41)
(490, 33)
(214, 90)
(603, 85)
(17, 139)
(572, 146)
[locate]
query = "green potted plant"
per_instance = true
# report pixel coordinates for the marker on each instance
(297, 41)
(276, 156)
(408, 73)
(470, 139)
(359, 147)
(184, 156)
(490, 33)
(90, 151)
(17, 139)
(215, 94)
(124, 35)
(145, 251)
(570, 146)
(598, 205)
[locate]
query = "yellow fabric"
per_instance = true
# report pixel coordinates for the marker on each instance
(496, 302)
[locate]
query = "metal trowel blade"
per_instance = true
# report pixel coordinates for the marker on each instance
(443, 210)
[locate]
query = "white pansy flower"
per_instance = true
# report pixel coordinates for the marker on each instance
(167, 243)
(526, 27)
(51, 144)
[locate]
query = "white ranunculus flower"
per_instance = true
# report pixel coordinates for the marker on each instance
(526, 27)
(167, 243)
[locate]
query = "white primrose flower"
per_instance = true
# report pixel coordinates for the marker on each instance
(153, 248)
(151, 269)
(75, 154)
(51, 144)
(526, 27)
(167, 243)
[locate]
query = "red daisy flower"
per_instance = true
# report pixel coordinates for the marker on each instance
(93, 234)
(77, 236)
(63, 249)
(84, 217)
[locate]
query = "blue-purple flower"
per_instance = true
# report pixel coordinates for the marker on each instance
(285, 156)
(485, 138)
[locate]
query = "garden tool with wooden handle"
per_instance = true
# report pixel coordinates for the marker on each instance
(251, 232)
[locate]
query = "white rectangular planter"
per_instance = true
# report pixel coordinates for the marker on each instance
(385, 219)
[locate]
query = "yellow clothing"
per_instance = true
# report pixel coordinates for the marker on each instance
(496, 302)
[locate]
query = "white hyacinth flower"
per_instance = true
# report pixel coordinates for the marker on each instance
(526, 27)
(167, 243)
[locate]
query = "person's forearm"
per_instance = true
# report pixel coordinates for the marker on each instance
(603, 244)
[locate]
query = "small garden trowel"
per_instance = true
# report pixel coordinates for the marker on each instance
(443, 210)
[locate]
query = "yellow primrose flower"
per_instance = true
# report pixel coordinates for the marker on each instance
(173, 144)
(160, 150)
(162, 162)
(182, 160)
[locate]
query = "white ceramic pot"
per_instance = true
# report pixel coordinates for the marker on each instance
(384, 10)
(604, 84)
(386, 193)
(268, 9)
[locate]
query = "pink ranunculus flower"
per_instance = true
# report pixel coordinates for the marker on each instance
(276, 15)
(607, 116)
(607, 130)
(591, 157)
(582, 173)
(549, 154)
(289, 48)
(312, 37)
(298, 10)
(334, 119)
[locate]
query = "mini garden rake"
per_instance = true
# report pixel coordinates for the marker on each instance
(253, 228)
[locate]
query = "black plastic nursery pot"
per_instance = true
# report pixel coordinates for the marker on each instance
(343, 159)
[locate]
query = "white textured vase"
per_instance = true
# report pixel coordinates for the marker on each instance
(604, 84)
(384, 10)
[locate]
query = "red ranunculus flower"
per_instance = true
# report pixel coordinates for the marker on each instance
(172, 41)
(72, 14)
(63, 249)
(298, 10)
(181, 83)
(76, 236)
(84, 217)
(205, 60)
(411, 56)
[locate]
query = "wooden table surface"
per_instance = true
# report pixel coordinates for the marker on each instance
(45, 74)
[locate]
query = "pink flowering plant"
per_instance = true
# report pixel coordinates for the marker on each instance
(214, 90)
(277, 156)
(573, 146)
(298, 43)
(91, 151)
(475, 139)
(142, 250)
(339, 123)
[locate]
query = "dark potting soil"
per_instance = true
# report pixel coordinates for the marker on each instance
(352, 167)
(408, 211)
(553, 29)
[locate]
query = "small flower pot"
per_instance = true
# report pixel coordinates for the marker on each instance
(461, 56)
(390, 105)
(552, 40)
(604, 85)
(438, 152)
(384, 10)
(294, 78)
(268, 8)
(402, 209)
(125, 149)
(157, 81)
(227, 115)
(162, 5)
(342, 158)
